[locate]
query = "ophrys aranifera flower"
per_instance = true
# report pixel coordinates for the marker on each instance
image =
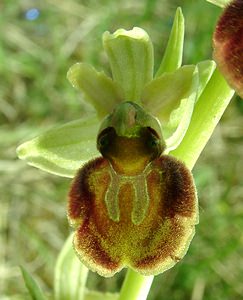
(132, 204)
(132, 207)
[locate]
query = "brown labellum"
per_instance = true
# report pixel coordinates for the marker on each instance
(132, 207)
(228, 45)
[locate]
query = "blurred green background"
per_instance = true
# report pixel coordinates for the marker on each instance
(36, 49)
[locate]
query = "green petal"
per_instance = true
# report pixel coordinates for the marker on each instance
(173, 54)
(164, 94)
(205, 71)
(131, 58)
(221, 3)
(171, 97)
(64, 149)
(175, 129)
(70, 274)
(98, 88)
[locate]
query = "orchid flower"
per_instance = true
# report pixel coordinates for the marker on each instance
(132, 204)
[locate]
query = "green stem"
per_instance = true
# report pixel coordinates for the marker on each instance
(207, 113)
(135, 286)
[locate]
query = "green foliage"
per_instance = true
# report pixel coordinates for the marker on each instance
(32, 286)
(175, 44)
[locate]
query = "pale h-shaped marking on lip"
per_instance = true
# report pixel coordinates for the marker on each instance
(141, 197)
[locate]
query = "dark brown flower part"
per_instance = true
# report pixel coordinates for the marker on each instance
(228, 45)
(143, 220)
(129, 156)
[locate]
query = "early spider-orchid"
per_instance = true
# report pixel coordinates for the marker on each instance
(131, 203)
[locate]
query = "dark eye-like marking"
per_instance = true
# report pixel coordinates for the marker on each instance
(104, 141)
(105, 138)
(153, 142)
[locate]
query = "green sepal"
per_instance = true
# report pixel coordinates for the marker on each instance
(220, 3)
(131, 58)
(70, 274)
(32, 286)
(98, 88)
(205, 71)
(63, 150)
(174, 51)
